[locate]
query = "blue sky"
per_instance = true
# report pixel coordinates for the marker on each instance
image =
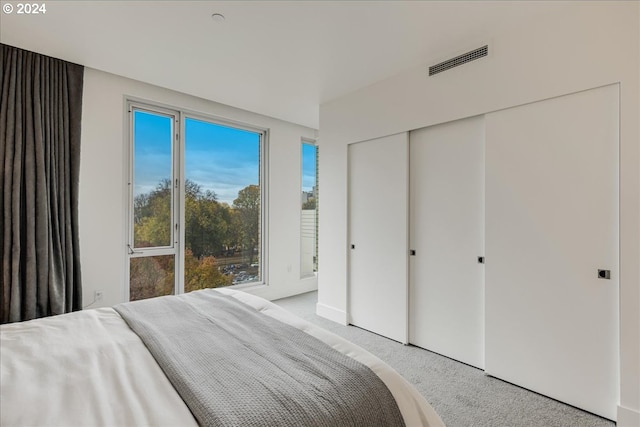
(219, 158)
(152, 150)
(308, 167)
(222, 159)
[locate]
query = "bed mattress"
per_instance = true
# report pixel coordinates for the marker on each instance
(89, 368)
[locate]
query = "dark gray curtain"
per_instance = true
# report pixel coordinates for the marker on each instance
(41, 108)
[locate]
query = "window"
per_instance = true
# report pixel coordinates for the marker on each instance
(309, 209)
(152, 239)
(196, 216)
(222, 205)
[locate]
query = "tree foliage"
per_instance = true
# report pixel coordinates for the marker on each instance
(202, 273)
(207, 222)
(212, 230)
(152, 217)
(310, 204)
(248, 207)
(151, 277)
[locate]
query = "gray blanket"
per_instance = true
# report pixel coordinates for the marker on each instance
(234, 366)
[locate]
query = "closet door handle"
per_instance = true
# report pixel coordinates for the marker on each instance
(412, 252)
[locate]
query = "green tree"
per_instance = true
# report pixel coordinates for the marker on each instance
(247, 204)
(211, 228)
(235, 229)
(152, 217)
(310, 204)
(207, 222)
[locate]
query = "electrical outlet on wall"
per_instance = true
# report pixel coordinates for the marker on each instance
(98, 295)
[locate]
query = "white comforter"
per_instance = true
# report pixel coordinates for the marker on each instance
(88, 368)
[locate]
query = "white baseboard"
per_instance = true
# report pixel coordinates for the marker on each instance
(331, 313)
(628, 417)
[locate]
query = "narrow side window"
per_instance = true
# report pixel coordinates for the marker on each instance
(309, 209)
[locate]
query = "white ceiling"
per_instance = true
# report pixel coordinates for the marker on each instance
(278, 58)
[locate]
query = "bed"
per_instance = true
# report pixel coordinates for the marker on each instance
(91, 368)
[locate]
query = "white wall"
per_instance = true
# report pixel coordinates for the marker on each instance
(589, 44)
(102, 206)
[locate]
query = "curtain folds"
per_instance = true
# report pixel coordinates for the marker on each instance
(40, 115)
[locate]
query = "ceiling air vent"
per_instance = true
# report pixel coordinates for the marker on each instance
(459, 60)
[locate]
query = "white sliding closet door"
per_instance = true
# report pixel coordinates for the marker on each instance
(446, 293)
(552, 223)
(378, 236)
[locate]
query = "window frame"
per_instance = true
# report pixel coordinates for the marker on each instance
(264, 211)
(143, 252)
(314, 143)
(177, 247)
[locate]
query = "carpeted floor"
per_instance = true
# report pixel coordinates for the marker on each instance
(461, 394)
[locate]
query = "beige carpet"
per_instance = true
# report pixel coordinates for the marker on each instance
(462, 395)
